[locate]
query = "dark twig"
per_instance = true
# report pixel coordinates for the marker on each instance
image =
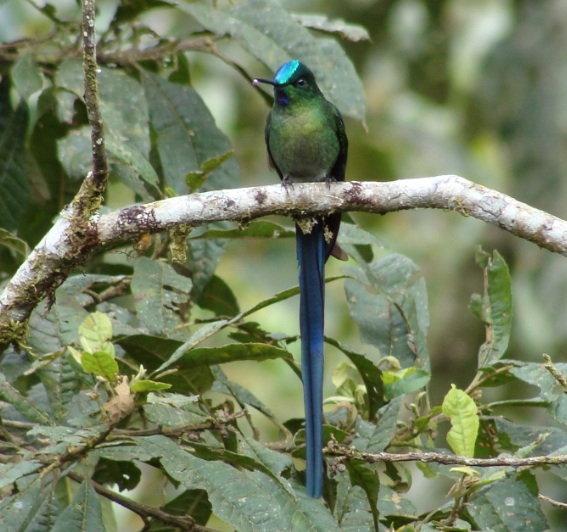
(100, 164)
(146, 512)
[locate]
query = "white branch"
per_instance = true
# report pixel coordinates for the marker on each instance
(448, 192)
(63, 247)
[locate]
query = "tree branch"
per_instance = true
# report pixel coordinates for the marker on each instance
(343, 452)
(65, 246)
(100, 165)
(183, 522)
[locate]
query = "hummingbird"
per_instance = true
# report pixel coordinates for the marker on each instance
(306, 142)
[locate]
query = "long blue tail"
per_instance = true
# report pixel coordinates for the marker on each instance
(311, 255)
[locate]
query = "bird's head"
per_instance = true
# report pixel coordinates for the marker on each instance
(293, 82)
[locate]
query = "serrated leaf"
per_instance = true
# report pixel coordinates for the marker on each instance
(241, 394)
(388, 301)
(62, 380)
(345, 30)
(159, 291)
(365, 476)
(494, 307)
(263, 504)
(100, 363)
(96, 331)
(14, 184)
(22, 404)
(459, 407)
(391, 502)
(186, 136)
(84, 514)
(51, 330)
(26, 76)
(352, 510)
(271, 35)
(34, 507)
(10, 473)
(274, 461)
(126, 121)
(208, 356)
(375, 437)
(508, 505)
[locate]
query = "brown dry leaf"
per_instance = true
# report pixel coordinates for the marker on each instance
(122, 403)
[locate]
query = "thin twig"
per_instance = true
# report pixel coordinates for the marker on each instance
(100, 164)
(344, 453)
(553, 502)
(146, 512)
(557, 375)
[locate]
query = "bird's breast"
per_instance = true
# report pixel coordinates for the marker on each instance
(303, 145)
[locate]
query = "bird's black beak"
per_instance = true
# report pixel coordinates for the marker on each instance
(257, 82)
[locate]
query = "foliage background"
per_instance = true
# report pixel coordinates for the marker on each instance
(471, 88)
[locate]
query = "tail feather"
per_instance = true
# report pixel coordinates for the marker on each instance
(312, 252)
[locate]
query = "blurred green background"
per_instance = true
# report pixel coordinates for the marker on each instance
(474, 88)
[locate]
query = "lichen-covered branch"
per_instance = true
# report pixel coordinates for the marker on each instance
(342, 453)
(98, 178)
(71, 242)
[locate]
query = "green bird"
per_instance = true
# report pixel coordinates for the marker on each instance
(306, 142)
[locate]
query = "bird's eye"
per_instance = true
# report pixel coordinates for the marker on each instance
(300, 82)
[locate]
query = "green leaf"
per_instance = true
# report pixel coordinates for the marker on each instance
(62, 380)
(191, 502)
(22, 404)
(204, 256)
(255, 229)
(11, 241)
(262, 503)
(270, 34)
(508, 505)
(187, 138)
(365, 476)
(391, 502)
(352, 510)
(411, 380)
(208, 356)
(241, 394)
(32, 508)
(84, 514)
(146, 385)
(371, 376)
(154, 351)
(26, 76)
(218, 298)
(159, 292)
(100, 363)
(96, 331)
(195, 180)
(375, 437)
(459, 407)
(388, 301)
(51, 330)
(494, 307)
(126, 121)
(10, 473)
(14, 184)
(174, 410)
(345, 30)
